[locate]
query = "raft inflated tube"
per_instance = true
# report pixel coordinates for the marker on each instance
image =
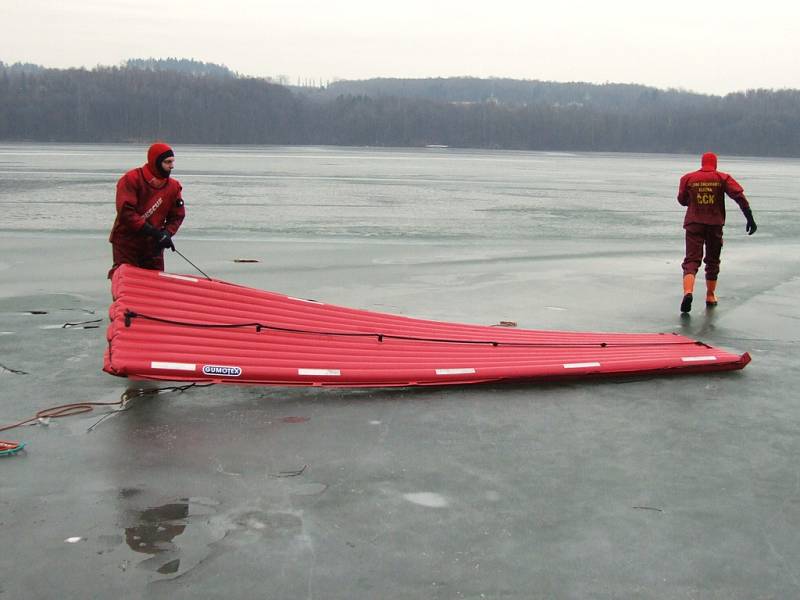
(173, 327)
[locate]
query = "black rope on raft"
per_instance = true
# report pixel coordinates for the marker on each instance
(130, 315)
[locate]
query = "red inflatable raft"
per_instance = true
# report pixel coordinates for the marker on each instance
(183, 328)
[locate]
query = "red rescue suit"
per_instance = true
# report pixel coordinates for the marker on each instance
(144, 197)
(703, 193)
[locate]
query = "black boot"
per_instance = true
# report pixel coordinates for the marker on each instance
(686, 303)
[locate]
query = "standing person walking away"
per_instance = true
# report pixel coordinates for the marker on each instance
(149, 212)
(703, 193)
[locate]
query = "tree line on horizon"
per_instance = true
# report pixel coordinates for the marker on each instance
(186, 101)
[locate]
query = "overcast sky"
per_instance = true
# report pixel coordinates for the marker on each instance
(707, 46)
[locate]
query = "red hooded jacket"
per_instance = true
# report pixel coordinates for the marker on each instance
(703, 192)
(143, 196)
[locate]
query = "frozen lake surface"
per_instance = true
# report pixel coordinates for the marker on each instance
(667, 487)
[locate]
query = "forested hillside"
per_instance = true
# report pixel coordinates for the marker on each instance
(192, 102)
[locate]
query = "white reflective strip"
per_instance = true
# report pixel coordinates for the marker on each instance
(172, 366)
(581, 365)
(181, 277)
(454, 371)
(697, 358)
(304, 300)
(334, 372)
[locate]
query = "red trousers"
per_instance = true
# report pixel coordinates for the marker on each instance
(144, 256)
(698, 236)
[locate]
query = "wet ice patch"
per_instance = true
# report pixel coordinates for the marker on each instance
(254, 523)
(307, 489)
(429, 499)
(73, 540)
(275, 525)
(374, 422)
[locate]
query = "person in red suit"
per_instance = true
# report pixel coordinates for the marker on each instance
(703, 193)
(149, 212)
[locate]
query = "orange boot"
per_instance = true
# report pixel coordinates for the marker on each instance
(688, 288)
(711, 288)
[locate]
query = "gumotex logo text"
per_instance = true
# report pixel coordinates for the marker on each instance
(220, 370)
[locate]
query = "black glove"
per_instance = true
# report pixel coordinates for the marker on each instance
(165, 240)
(151, 231)
(161, 236)
(751, 226)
